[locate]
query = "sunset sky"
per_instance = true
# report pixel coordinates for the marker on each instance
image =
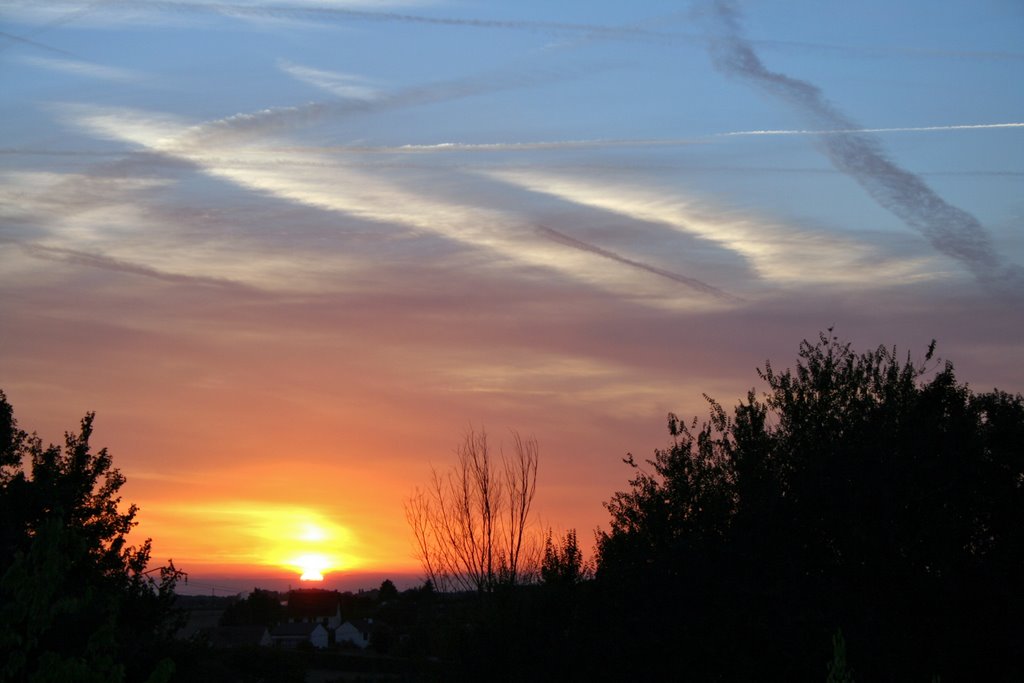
(290, 251)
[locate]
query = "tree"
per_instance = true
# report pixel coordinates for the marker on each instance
(859, 491)
(67, 568)
(563, 563)
(471, 524)
(388, 591)
(260, 608)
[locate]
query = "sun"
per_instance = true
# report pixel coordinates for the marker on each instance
(307, 542)
(312, 566)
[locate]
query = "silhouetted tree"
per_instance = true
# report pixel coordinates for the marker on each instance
(260, 608)
(471, 525)
(860, 491)
(563, 563)
(76, 601)
(388, 591)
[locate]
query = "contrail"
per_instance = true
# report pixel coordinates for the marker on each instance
(63, 19)
(901, 129)
(34, 43)
(690, 282)
(544, 145)
(307, 11)
(81, 258)
(271, 120)
(884, 50)
(950, 230)
(531, 146)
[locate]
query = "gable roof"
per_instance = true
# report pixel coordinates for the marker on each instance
(362, 625)
(312, 603)
(236, 636)
(301, 629)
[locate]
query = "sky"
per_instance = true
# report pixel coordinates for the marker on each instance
(291, 251)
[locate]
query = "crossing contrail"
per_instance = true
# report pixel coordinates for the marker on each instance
(951, 230)
(900, 129)
(690, 282)
(543, 145)
(344, 13)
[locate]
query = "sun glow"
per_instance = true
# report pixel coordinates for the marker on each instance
(280, 536)
(312, 566)
(313, 541)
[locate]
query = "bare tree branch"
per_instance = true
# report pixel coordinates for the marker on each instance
(471, 526)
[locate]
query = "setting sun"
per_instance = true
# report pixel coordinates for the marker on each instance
(278, 537)
(312, 566)
(312, 544)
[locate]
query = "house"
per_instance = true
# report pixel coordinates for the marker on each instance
(237, 636)
(293, 634)
(314, 605)
(355, 631)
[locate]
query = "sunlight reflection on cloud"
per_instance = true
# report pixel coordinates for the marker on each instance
(325, 182)
(778, 253)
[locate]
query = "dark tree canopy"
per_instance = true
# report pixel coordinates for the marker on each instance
(388, 590)
(563, 563)
(66, 566)
(860, 492)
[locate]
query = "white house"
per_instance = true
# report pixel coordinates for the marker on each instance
(356, 631)
(290, 635)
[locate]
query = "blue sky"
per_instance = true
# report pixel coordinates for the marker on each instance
(338, 233)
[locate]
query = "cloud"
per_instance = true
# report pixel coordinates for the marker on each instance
(252, 125)
(113, 223)
(950, 230)
(779, 254)
(87, 69)
(693, 283)
(80, 258)
(356, 11)
(327, 183)
(343, 85)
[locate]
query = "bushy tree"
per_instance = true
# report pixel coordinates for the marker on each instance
(77, 602)
(859, 491)
(563, 563)
(388, 590)
(260, 608)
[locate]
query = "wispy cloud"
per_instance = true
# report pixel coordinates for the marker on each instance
(371, 12)
(113, 224)
(327, 183)
(87, 69)
(101, 261)
(253, 125)
(951, 230)
(343, 85)
(777, 253)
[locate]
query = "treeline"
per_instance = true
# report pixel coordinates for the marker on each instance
(864, 507)
(862, 518)
(77, 602)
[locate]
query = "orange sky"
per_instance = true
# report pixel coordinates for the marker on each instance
(290, 256)
(251, 433)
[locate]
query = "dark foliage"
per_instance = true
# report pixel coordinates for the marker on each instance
(76, 601)
(858, 493)
(563, 563)
(387, 591)
(259, 608)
